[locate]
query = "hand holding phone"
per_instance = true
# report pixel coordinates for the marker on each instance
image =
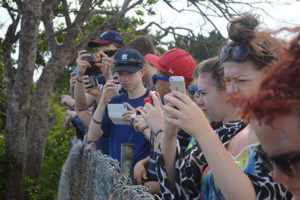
(148, 100)
(177, 84)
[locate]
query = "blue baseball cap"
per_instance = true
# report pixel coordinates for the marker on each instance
(107, 38)
(130, 60)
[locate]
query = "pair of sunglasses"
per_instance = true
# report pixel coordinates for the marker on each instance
(238, 53)
(110, 53)
(287, 166)
(192, 89)
(155, 78)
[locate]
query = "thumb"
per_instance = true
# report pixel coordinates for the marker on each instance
(129, 106)
(145, 175)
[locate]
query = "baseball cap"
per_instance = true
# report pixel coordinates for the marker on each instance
(107, 38)
(176, 62)
(130, 60)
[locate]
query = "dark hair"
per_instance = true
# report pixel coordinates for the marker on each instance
(117, 45)
(143, 44)
(244, 29)
(214, 67)
(279, 92)
(163, 74)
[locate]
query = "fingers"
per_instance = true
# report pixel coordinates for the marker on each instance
(155, 99)
(172, 111)
(144, 174)
(129, 106)
(183, 97)
(175, 101)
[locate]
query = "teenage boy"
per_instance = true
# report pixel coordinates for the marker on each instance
(108, 44)
(175, 62)
(130, 69)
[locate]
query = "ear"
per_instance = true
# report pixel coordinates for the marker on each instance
(142, 71)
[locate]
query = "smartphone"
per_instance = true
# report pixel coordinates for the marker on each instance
(94, 58)
(177, 84)
(75, 70)
(148, 100)
(93, 81)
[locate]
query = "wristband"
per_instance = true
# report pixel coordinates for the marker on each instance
(95, 121)
(79, 81)
(144, 128)
(157, 132)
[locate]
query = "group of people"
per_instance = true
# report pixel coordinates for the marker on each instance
(252, 89)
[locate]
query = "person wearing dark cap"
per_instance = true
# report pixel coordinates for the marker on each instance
(130, 69)
(86, 96)
(145, 46)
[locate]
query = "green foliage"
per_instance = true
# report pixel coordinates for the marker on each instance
(56, 152)
(6, 163)
(200, 47)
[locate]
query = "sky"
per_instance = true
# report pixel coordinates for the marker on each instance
(283, 13)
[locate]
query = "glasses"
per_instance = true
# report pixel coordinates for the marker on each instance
(238, 53)
(110, 53)
(192, 89)
(155, 78)
(286, 165)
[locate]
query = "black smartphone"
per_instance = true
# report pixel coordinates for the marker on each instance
(93, 81)
(94, 58)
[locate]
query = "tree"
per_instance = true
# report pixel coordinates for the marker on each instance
(27, 115)
(200, 47)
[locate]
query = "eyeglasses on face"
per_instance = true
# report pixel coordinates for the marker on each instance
(287, 166)
(155, 78)
(110, 53)
(238, 53)
(192, 89)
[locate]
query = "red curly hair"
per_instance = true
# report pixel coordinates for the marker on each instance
(279, 92)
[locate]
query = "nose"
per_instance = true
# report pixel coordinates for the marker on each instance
(279, 177)
(199, 101)
(123, 78)
(231, 89)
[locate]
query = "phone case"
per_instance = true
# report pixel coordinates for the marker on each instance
(177, 84)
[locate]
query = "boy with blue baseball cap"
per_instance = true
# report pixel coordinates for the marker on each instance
(129, 66)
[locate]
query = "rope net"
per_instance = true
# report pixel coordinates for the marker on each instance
(94, 176)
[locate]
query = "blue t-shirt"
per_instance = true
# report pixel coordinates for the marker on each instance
(119, 134)
(103, 143)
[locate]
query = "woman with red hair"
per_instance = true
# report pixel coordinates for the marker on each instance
(275, 115)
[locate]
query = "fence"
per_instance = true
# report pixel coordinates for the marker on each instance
(94, 176)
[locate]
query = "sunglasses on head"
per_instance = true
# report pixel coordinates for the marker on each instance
(155, 78)
(238, 53)
(287, 166)
(110, 53)
(192, 89)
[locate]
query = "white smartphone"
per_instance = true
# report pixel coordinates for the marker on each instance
(177, 84)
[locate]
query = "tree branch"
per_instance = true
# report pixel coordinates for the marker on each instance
(66, 13)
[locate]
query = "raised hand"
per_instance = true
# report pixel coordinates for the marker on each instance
(180, 110)
(82, 62)
(109, 90)
(153, 114)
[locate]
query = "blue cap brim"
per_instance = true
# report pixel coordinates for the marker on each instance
(132, 69)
